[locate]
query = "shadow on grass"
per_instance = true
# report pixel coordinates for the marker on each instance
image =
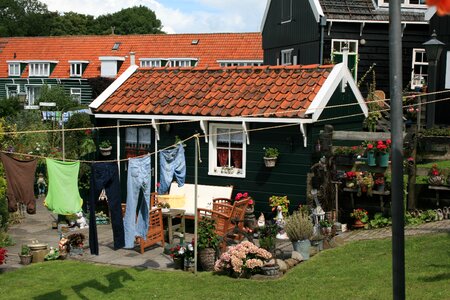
(439, 277)
(115, 281)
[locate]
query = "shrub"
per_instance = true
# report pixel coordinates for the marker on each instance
(298, 226)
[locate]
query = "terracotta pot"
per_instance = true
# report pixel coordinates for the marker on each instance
(358, 224)
(270, 161)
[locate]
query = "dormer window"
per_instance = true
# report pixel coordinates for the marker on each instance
(182, 62)
(150, 63)
(110, 65)
(77, 67)
(39, 68)
(14, 69)
(405, 3)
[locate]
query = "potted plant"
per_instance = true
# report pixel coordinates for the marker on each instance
(282, 201)
(345, 156)
(25, 255)
(207, 243)
(350, 179)
(270, 156)
(326, 226)
(249, 217)
(361, 217)
(105, 148)
(434, 176)
(267, 237)
(177, 253)
(365, 183)
(299, 229)
(380, 183)
(383, 153)
(370, 153)
(165, 206)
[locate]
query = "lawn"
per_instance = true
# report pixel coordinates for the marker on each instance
(358, 270)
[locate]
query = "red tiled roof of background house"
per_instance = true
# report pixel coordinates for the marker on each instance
(209, 49)
(229, 92)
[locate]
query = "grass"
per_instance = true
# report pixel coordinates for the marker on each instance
(358, 270)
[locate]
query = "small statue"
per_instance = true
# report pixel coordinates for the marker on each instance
(261, 221)
(282, 235)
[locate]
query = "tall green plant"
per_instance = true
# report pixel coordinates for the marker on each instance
(207, 236)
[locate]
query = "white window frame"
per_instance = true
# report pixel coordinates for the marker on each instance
(215, 170)
(39, 69)
(75, 93)
(14, 69)
(355, 51)
(76, 69)
(422, 78)
(404, 3)
(182, 62)
(447, 72)
(31, 95)
(10, 87)
(290, 12)
(150, 63)
(287, 57)
(240, 63)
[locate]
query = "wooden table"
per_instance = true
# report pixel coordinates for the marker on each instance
(374, 192)
(171, 214)
(438, 188)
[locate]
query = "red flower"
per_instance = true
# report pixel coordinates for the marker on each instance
(88, 132)
(250, 202)
(443, 6)
(388, 142)
(369, 146)
(245, 195)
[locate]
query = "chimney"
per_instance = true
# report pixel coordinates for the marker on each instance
(132, 59)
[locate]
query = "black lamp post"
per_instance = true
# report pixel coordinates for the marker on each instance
(433, 49)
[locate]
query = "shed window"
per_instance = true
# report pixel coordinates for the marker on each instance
(137, 141)
(286, 11)
(447, 72)
(419, 73)
(75, 93)
(286, 57)
(406, 3)
(12, 90)
(227, 150)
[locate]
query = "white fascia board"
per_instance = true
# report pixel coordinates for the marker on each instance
(42, 61)
(151, 58)
(431, 11)
(375, 22)
(266, 11)
(181, 58)
(240, 61)
(111, 58)
(16, 61)
(113, 87)
(78, 61)
(316, 9)
(202, 118)
(339, 72)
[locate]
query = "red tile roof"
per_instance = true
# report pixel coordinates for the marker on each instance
(280, 91)
(210, 48)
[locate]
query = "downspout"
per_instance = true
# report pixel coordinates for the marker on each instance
(345, 63)
(322, 24)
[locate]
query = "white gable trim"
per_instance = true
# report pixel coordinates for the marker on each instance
(317, 9)
(113, 87)
(266, 11)
(430, 13)
(339, 74)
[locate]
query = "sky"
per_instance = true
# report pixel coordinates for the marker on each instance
(179, 16)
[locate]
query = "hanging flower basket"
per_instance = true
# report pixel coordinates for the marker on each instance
(270, 161)
(105, 151)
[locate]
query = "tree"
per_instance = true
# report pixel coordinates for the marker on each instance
(57, 95)
(134, 20)
(72, 23)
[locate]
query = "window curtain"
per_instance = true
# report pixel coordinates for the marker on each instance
(236, 155)
(222, 157)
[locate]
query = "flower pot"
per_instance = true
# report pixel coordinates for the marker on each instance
(270, 161)
(189, 264)
(105, 151)
(380, 188)
(371, 159)
(270, 270)
(25, 259)
(302, 247)
(436, 180)
(178, 263)
(207, 258)
(383, 160)
(358, 224)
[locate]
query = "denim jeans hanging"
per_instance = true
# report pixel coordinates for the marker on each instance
(138, 178)
(105, 175)
(172, 162)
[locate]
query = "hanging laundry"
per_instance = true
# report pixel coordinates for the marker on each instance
(63, 196)
(20, 182)
(171, 163)
(139, 178)
(105, 186)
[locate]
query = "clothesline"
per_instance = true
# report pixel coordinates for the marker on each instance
(242, 116)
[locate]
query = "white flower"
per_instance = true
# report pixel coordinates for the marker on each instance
(190, 247)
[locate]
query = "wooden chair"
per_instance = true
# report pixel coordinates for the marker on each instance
(155, 232)
(236, 224)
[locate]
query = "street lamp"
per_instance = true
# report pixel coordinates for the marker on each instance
(433, 49)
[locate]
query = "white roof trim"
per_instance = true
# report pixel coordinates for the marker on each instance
(336, 76)
(113, 87)
(181, 58)
(151, 58)
(16, 61)
(266, 11)
(109, 58)
(203, 118)
(78, 61)
(317, 9)
(430, 13)
(240, 60)
(42, 61)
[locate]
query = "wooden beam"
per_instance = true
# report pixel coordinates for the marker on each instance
(361, 135)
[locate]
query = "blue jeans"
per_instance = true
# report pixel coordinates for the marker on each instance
(139, 178)
(171, 162)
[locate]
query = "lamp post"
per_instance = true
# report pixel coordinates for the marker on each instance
(433, 49)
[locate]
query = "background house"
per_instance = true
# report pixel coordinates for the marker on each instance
(316, 31)
(238, 111)
(78, 62)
